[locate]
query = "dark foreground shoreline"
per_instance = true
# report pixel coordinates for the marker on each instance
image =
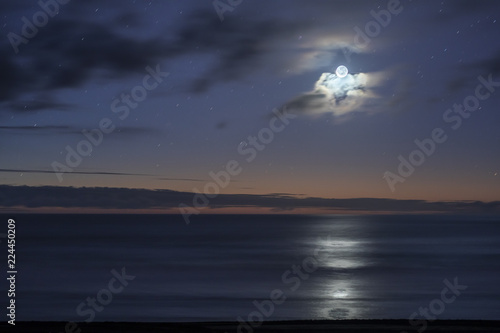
(315, 326)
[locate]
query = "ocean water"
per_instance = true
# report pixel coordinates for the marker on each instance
(221, 267)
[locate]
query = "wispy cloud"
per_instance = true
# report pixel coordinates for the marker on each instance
(42, 171)
(51, 129)
(38, 105)
(75, 172)
(183, 179)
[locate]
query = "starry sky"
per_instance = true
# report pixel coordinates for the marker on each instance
(136, 105)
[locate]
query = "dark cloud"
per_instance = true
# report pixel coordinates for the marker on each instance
(467, 79)
(239, 48)
(68, 53)
(12, 78)
(125, 198)
(65, 54)
(74, 50)
(309, 102)
(286, 195)
(486, 66)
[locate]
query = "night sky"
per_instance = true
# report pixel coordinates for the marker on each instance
(157, 95)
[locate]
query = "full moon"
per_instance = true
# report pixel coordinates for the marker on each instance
(341, 71)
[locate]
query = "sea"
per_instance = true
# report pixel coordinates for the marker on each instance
(152, 268)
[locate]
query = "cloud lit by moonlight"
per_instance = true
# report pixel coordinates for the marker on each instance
(339, 94)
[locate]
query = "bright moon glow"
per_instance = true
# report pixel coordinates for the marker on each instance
(338, 93)
(341, 71)
(340, 293)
